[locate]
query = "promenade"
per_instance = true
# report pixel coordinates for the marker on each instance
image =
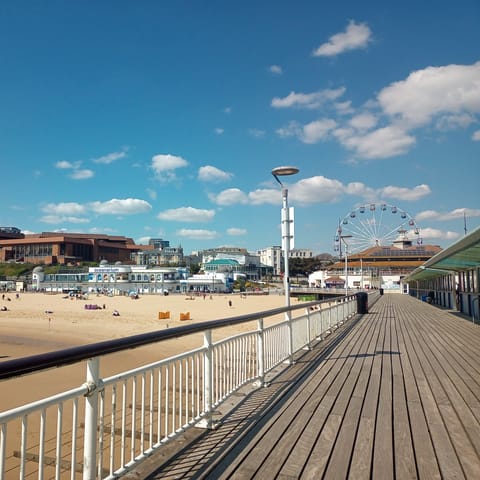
(393, 394)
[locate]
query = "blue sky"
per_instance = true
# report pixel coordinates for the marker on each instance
(165, 119)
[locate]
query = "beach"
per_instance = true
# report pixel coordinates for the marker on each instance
(38, 322)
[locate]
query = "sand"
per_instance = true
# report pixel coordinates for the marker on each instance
(37, 323)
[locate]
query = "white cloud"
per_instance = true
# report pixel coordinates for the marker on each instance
(293, 129)
(451, 89)
(359, 189)
(64, 208)
(64, 164)
(433, 233)
(453, 122)
(381, 143)
(77, 173)
(344, 108)
(152, 193)
(316, 189)
(236, 232)
(187, 214)
(142, 240)
(308, 100)
(82, 174)
(320, 189)
(310, 133)
(219, 131)
(111, 157)
(363, 121)
(318, 130)
(268, 195)
(127, 206)
(448, 97)
(407, 194)
(356, 35)
(445, 216)
(209, 173)
(197, 234)
(56, 219)
(164, 166)
(276, 69)
(230, 196)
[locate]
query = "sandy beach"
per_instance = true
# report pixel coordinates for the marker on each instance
(36, 323)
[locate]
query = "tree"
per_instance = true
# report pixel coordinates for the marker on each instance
(306, 266)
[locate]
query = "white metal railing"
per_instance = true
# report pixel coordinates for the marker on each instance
(106, 426)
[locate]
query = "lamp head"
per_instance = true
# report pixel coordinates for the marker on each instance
(284, 171)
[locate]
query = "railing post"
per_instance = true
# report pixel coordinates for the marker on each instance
(261, 353)
(207, 422)
(290, 337)
(309, 329)
(91, 414)
(329, 317)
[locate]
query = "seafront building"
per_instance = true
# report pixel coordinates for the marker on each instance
(49, 248)
(381, 267)
(119, 279)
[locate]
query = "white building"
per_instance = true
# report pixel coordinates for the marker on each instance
(272, 256)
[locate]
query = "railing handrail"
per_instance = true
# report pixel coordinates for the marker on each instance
(58, 358)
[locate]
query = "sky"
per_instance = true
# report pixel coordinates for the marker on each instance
(154, 119)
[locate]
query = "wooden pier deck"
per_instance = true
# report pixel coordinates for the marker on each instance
(394, 394)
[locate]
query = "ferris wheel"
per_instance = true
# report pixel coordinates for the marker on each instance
(375, 224)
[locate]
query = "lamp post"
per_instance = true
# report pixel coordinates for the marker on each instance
(286, 238)
(342, 238)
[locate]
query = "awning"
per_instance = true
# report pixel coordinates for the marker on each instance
(462, 255)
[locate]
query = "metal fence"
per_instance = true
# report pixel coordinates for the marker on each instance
(106, 426)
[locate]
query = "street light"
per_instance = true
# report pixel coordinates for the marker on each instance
(286, 239)
(342, 238)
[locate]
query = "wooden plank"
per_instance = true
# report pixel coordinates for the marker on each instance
(434, 363)
(444, 451)
(404, 458)
(425, 459)
(322, 450)
(382, 465)
(339, 463)
(362, 455)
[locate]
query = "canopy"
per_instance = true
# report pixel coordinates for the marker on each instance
(462, 255)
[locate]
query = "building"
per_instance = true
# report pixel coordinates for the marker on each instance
(300, 253)
(49, 248)
(272, 257)
(114, 279)
(165, 255)
(119, 279)
(234, 260)
(376, 267)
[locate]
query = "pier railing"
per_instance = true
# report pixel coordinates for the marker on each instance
(106, 426)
